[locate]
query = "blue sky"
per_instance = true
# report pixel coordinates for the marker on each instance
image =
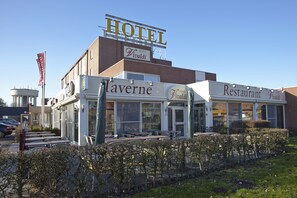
(249, 42)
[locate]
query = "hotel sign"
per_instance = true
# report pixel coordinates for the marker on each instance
(135, 32)
(177, 92)
(136, 53)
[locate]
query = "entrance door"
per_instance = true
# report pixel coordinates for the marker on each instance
(176, 119)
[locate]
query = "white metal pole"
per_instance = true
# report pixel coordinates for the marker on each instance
(43, 92)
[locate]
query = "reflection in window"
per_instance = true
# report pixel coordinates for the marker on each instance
(110, 118)
(135, 76)
(247, 111)
(280, 116)
(92, 117)
(128, 117)
(271, 109)
(151, 116)
(109, 115)
(199, 117)
(234, 111)
(219, 113)
(261, 111)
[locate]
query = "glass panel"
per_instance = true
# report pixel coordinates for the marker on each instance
(247, 111)
(261, 111)
(70, 122)
(128, 117)
(92, 117)
(179, 115)
(170, 119)
(280, 117)
(234, 111)
(76, 125)
(153, 78)
(199, 117)
(180, 127)
(135, 76)
(109, 118)
(151, 116)
(219, 113)
(272, 115)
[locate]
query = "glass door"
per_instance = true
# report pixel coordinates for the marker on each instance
(176, 120)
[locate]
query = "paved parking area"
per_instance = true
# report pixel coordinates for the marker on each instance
(7, 142)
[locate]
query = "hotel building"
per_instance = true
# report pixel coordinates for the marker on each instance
(148, 94)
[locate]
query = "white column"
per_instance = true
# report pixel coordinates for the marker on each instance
(164, 116)
(35, 101)
(208, 114)
(63, 127)
(18, 101)
(21, 101)
(13, 101)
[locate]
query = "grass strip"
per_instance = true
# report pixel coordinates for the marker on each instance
(271, 177)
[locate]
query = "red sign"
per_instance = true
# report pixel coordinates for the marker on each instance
(41, 65)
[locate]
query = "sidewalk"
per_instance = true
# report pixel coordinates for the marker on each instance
(8, 144)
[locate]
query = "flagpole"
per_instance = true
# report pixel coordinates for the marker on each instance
(43, 93)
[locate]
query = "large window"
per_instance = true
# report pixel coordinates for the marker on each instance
(109, 115)
(280, 117)
(234, 110)
(261, 111)
(151, 116)
(272, 115)
(247, 111)
(128, 117)
(219, 113)
(199, 117)
(92, 117)
(110, 118)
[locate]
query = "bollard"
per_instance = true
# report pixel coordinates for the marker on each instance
(22, 141)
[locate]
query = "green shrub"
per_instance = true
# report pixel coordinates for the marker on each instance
(118, 168)
(292, 131)
(56, 131)
(259, 124)
(36, 129)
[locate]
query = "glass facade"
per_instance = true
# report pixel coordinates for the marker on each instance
(151, 116)
(199, 117)
(128, 117)
(244, 112)
(247, 111)
(109, 117)
(235, 113)
(261, 111)
(219, 113)
(271, 112)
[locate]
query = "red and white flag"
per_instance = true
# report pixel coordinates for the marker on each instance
(41, 65)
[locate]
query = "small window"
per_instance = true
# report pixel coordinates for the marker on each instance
(135, 76)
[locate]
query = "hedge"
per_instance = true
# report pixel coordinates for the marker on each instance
(123, 168)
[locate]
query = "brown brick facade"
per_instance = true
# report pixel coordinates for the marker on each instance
(105, 57)
(291, 107)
